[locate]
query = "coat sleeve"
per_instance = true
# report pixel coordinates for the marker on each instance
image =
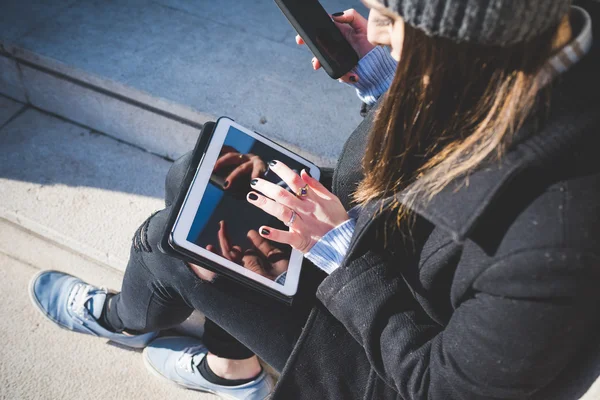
(507, 339)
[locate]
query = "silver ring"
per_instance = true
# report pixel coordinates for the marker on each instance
(292, 219)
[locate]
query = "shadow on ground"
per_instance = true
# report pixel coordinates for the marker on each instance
(38, 148)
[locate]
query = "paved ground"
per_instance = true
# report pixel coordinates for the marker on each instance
(227, 57)
(41, 361)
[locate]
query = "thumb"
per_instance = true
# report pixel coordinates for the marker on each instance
(347, 17)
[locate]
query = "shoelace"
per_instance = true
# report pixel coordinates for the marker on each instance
(79, 298)
(191, 357)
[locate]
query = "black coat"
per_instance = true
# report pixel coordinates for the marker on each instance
(497, 293)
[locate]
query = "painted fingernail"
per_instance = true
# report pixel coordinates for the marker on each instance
(338, 14)
(272, 163)
(226, 184)
(352, 78)
(253, 182)
(253, 196)
(264, 232)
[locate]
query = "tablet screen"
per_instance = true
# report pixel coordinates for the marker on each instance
(225, 223)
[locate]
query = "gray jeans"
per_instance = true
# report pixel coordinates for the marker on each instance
(160, 292)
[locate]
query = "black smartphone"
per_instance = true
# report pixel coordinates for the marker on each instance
(320, 34)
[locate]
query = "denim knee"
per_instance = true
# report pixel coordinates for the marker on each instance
(145, 250)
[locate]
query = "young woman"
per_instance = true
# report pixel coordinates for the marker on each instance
(457, 249)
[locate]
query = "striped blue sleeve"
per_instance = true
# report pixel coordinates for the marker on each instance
(375, 74)
(329, 252)
(281, 278)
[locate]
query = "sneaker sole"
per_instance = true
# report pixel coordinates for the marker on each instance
(157, 373)
(41, 310)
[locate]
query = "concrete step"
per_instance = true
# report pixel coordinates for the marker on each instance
(151, 72)
(88, 191)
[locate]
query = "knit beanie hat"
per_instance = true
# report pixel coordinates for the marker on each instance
(487, 22)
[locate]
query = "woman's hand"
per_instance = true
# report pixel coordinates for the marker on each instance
(354, 28)
(313, 215)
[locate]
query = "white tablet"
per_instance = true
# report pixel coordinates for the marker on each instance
(217, 223)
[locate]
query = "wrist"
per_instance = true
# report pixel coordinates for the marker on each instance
(364, 49)
(326, 228)
(329, 251)
(375, 73)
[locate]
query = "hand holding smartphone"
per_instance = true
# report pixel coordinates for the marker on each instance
(321, 35)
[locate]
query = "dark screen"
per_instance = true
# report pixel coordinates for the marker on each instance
(225, 220)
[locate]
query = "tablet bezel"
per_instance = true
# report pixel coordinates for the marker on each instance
(196, 191)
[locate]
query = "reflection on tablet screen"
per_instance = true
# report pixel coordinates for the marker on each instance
(226, 224)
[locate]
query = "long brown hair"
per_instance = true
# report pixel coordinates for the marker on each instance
(451, 107)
